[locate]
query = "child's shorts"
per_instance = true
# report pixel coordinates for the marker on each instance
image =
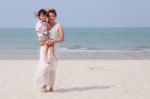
(43, 39)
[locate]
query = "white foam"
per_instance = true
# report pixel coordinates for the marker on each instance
(98, 50)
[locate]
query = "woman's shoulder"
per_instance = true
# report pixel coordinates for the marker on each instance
(59, 25)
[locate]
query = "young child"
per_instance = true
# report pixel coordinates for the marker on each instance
(43, 34)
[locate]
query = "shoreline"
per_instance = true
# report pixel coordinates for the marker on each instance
(23, 55)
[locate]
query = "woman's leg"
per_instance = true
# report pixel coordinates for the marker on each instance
(43, 88)
(42, 74)
(52, 81)
(52, 68)
(52, 73)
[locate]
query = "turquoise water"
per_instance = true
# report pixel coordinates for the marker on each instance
(82, 39)
(80, 43)
(109, 39)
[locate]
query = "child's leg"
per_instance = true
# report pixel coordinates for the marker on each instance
(45, 53)
(52, 52)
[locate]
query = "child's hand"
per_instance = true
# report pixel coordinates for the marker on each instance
(49, 32)
(50, 42)
(46, 43)
(45, 30)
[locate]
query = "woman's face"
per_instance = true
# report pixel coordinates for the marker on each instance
(52, 17)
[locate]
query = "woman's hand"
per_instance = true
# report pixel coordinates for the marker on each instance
(50, 42)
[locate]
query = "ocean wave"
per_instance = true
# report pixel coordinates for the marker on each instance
(83, 49)
(100, 50)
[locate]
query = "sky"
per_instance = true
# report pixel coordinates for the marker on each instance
(77, 13)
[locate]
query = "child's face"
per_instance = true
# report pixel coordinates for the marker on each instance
(43, 18)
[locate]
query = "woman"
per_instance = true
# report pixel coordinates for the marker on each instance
(45, 75)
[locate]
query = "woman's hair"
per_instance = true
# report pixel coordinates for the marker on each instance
(41, 11)
(52, 11)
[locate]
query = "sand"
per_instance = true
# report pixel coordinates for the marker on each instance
(78, 79)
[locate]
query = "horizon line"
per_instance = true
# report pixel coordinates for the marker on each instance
(77, 27)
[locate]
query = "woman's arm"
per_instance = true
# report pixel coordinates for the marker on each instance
(61, 34)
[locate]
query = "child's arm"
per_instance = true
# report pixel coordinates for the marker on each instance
(39, 29)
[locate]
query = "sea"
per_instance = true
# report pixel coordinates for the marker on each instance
(80, 43)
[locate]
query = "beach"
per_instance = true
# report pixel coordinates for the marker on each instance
(78, 79)
(94, 63)
(102, 48)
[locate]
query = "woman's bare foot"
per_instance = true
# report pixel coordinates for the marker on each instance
(43, 88)
(50, 89)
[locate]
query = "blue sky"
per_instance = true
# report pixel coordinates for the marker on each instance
(78, 13)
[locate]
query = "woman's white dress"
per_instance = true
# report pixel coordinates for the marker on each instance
(45, 73)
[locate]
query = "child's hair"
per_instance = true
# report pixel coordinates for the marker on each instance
(41, 11)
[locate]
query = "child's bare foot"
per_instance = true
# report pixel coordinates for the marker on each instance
(47, 60)
(51, 59)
